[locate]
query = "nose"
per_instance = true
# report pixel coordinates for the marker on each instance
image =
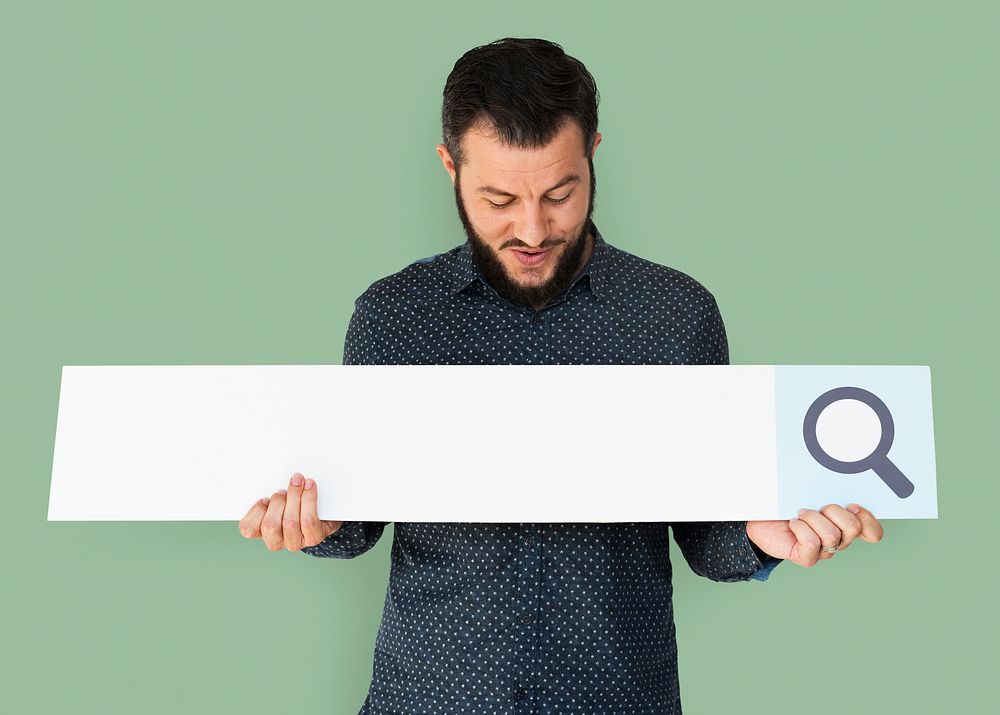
(534, 227)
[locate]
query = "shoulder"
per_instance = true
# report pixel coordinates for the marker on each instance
(644, 280)
(427, 278)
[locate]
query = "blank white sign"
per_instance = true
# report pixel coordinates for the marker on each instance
(470, 443)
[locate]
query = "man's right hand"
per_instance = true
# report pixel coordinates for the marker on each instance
(288, 520)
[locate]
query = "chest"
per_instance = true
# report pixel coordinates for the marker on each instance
(580, 330)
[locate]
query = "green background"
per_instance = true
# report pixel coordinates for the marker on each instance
(214, 183)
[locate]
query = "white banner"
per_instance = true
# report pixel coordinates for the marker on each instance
(494, 443)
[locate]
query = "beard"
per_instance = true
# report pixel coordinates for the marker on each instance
(488, 261)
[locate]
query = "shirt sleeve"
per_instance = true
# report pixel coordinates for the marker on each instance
(361, 347)
(720, 550)
(353, 538)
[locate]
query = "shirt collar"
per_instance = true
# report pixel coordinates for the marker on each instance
(466, 272)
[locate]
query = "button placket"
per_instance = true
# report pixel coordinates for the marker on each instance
(527, 604)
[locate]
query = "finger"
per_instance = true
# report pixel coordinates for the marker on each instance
(270, 527)
(313, 530)
(849, 525)
(806, 551)
(290, 524)
(829, 534)
(871, 529)
(250, 523)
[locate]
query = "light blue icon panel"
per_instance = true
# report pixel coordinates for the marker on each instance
(897, 479)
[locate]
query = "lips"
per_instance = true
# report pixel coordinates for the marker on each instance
(531, 258)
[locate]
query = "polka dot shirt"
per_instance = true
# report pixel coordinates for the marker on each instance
(534, 617)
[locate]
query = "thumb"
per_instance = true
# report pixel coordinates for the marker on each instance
(313, 529)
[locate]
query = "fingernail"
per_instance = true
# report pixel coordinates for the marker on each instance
(296, 479)
(802, 511)
(282, 491)
(853, 508)
(309, 483)
(264, 500)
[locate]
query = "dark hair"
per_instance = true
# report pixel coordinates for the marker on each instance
(524, 89)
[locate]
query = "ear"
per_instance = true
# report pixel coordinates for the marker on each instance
(449, 165)
(597, 140)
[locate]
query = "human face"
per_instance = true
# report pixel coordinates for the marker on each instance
(517, 202)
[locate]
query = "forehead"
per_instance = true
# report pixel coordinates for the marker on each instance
(487, 159)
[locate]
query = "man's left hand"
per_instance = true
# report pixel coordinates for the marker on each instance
(800, 539)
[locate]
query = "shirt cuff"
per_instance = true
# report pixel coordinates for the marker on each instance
(353, 538)
(766, 561)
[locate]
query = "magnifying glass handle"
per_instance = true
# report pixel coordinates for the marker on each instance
(894, 479)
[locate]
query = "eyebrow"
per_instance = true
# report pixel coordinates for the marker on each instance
(568, 179)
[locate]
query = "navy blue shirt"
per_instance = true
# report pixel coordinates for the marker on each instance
(534, 617)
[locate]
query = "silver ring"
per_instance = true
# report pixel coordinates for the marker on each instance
(832, 549)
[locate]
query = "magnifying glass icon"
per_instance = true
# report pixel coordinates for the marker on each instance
(877, 459)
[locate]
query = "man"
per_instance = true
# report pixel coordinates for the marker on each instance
(518, 618)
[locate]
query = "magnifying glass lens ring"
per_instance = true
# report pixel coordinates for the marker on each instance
(848, 393)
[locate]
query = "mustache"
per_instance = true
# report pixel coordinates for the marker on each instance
(541, 249)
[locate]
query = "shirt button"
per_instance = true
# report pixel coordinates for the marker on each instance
(527, 618)
(520, 694)
(743, 549)
(529, 540)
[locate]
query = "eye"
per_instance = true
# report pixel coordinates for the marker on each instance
(564, 199)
